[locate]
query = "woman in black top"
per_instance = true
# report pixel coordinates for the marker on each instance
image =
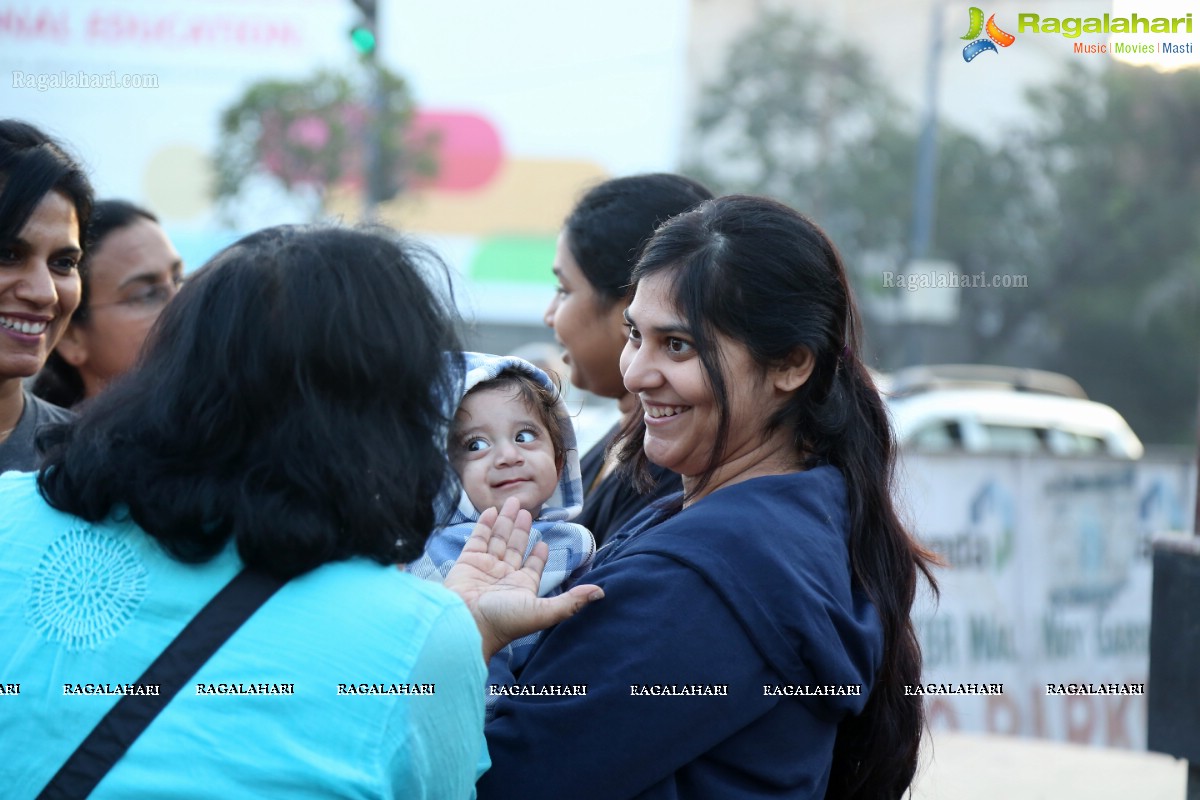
(600, 242)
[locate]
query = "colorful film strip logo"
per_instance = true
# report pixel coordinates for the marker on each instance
(995, 36)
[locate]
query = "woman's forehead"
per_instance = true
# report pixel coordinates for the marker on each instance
(654, 303)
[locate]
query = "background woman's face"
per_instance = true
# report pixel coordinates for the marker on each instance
(591, 334)
(39, 286)
(132, 274)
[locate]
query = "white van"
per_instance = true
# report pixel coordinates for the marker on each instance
(985, 409)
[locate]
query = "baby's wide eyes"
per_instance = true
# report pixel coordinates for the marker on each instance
(476, 444)
(525, 436)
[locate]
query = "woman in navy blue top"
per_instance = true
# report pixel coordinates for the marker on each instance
(754, 640)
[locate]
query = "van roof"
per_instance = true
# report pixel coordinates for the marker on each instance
(924, 378)
(1022, 409)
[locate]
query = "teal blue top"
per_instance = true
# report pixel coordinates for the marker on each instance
(355, 680)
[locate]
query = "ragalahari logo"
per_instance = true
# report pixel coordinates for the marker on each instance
(995, 36)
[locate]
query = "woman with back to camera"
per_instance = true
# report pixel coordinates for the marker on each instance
(287, 418)
(132, 272)
(45, 204)
(738, 620)
(598, 246)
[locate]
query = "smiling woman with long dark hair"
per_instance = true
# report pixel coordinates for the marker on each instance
(754, 640)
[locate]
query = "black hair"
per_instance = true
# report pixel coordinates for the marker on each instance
(538, 398)
(759, 273)
(294, 397)
(611, 222)
(58, 382)
(31, 165)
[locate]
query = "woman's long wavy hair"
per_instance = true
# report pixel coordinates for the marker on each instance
(293, 397)
(763, 275)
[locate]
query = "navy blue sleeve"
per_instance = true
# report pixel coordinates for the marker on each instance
(659, 624)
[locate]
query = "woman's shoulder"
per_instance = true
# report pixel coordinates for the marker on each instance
(374, 590)
(819, 492)
(781, 537)
(372, 621)
(19, 487)
(790, 532)
(774, 551)
(26, 512)
(45, 413)
(779, 513)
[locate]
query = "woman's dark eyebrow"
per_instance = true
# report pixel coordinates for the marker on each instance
(69, 250)
(24, 246)
(152, 277)
(148, 278)
(677, 329)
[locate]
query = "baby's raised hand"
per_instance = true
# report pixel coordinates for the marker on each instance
(500, 585)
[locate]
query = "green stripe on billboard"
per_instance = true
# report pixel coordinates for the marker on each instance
(514, 259)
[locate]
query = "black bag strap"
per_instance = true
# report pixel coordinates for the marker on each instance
(174, 667)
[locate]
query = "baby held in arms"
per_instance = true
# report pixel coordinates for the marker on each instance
(512, 437)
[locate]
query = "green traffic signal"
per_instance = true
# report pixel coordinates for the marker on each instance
(363, 39)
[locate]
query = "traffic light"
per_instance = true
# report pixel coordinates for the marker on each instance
(363, 34)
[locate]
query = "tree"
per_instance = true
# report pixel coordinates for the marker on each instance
(801, 117)
(310, 136)
(790, 113)
(1096, 206)
(1119, 151)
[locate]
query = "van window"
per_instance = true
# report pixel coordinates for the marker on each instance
(1013, 439)
(938, 437)
(1069, 443)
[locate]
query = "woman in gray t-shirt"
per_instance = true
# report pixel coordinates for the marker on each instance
(45, 203)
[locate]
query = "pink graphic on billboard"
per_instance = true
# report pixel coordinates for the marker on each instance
(468, 147)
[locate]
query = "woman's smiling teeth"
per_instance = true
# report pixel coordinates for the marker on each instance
(664, 411)
(23, 326)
